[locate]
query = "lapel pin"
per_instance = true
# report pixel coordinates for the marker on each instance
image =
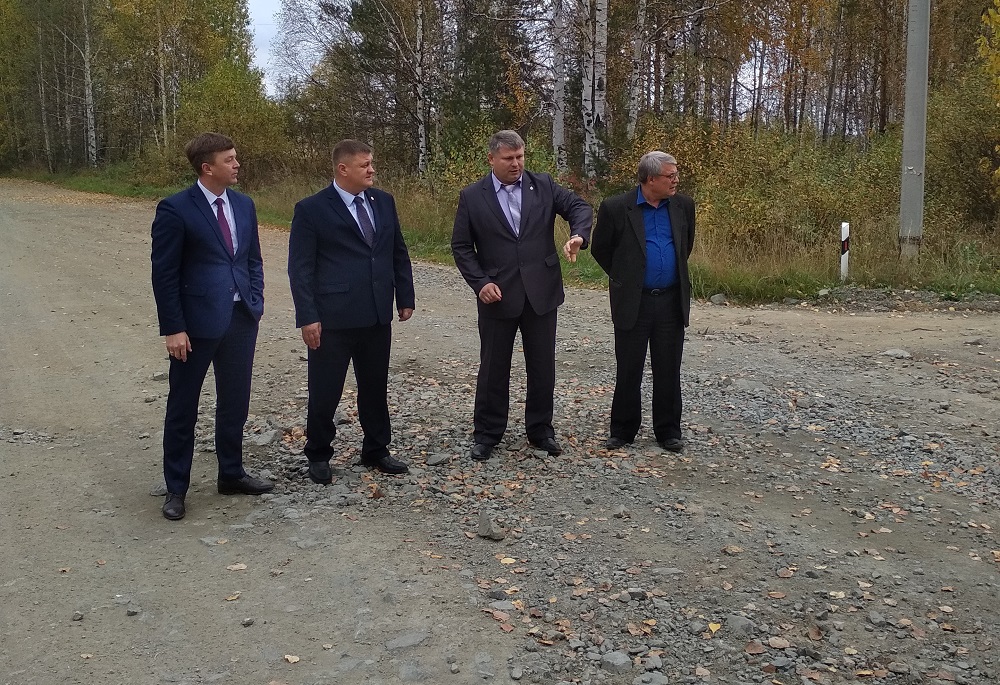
(531, 187)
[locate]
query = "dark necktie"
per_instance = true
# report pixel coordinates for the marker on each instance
(367, 227)
(227, 234)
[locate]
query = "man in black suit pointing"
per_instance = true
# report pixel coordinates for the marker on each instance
(504, 245)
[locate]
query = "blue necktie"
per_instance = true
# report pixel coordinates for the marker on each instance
(367, 227)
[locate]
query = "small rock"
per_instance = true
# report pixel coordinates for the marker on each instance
(247, 622)
(620, 512)
(652, 678)
(740, 625)
(488, 528)
(158, 490)
(897, 353)
(264, 439)
(616, 662)
(718, 298)
(159, 376)
(516, 673)
(898, 667)
(406, 640)
(438, 459)
(77, 615)
(132, 610)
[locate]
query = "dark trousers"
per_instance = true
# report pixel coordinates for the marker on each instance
(660, 327)
(496, 340)
(368, 349)
(231, 356)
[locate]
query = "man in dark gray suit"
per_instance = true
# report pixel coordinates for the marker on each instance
(346, 262)
(642, 241)
(504, 245)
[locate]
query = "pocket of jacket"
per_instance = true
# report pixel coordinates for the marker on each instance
(333, 288)
(552, 260)
(196, 291)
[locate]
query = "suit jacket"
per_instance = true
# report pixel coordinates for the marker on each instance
(620, 248)
(523, 266)
(336, 278)
(194, 274)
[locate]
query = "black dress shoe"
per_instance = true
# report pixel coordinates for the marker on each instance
(672, 444)
(481, 451)
(319, 472)
(549, 445)
(386, 464)
(614, 443)
(247, 485)
(173, 507)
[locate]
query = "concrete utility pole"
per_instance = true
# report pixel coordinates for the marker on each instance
(911, 200)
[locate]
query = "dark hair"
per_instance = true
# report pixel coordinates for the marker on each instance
(349, 148)
(203, 147)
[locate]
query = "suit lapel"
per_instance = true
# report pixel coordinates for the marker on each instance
(529, 196)
(212, 221)
(635, 220)
(242, 217)
(493, 202)
(341, 210)
(678, 226)
(375, 218)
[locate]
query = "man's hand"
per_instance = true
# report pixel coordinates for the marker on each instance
(311, 334)
(405, 313)
(490, 294)
(178, 345)
(572, 247)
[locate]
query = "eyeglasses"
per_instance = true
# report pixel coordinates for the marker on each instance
(671, 177)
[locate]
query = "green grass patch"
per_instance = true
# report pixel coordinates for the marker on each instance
(119, 179)
(770, 263)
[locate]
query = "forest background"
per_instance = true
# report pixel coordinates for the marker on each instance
(785, 115)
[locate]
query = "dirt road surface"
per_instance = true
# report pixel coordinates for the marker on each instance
(832, 520)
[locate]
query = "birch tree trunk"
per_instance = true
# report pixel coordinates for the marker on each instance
(638, 68)
(831, 84)
(561, 25)
(162, 65)
(420, 88)
(88, 91)
(46, 137)
(595, 84)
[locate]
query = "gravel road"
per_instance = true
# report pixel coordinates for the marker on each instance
(832, 520)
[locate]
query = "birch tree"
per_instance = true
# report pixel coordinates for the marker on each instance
(595, 67)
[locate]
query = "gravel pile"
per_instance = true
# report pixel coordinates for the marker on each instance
(765, 553)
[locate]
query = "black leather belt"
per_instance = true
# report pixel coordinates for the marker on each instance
(658, 291)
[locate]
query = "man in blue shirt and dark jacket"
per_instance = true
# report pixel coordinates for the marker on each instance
(642, 241)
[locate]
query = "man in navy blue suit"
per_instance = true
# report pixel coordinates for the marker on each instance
(346, 263)
(208, 282)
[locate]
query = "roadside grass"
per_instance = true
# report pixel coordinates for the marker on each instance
(748, 268)
(116, 179)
